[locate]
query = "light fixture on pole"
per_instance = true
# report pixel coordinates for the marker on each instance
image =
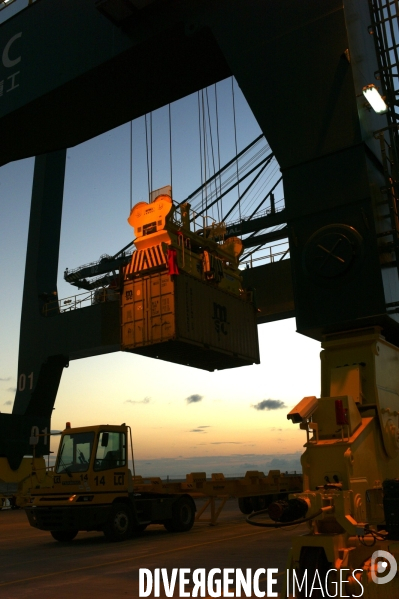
(375, 99)
(4, 3)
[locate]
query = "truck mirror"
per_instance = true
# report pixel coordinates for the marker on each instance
(104, 440)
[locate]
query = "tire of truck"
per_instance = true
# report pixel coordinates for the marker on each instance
(245, 505)
(261, 502)
(120, 523)
(183, 515)
(64, 536)
(13, 504)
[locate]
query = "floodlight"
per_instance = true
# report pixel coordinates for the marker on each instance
(4, 3)
(375, 99)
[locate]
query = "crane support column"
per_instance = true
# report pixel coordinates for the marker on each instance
(39, 373)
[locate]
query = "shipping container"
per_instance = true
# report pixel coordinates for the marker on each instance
(186, 321)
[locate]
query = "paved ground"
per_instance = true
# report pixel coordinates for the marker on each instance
(34, 566)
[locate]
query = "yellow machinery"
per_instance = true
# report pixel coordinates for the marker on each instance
(254, 490)
(92, 488)
(350, 497)
(182, 298)
(163, 236)
(15, 485)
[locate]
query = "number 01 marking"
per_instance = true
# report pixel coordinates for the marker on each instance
(35, 433)
(22, 381)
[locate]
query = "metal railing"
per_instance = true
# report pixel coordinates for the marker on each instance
(267, 255)
(265, 212)
(81, 300)
(94, 266)
(198, 222)
(273, 253)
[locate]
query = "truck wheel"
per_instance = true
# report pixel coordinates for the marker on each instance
(261, 502)
(183, 515)
(245, 505)
(13, 503)
(64, 536)
(120, 523)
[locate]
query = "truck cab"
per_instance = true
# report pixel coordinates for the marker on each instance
(92, 488)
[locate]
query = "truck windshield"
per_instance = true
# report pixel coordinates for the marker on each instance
(111, 450)
(74, 453)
